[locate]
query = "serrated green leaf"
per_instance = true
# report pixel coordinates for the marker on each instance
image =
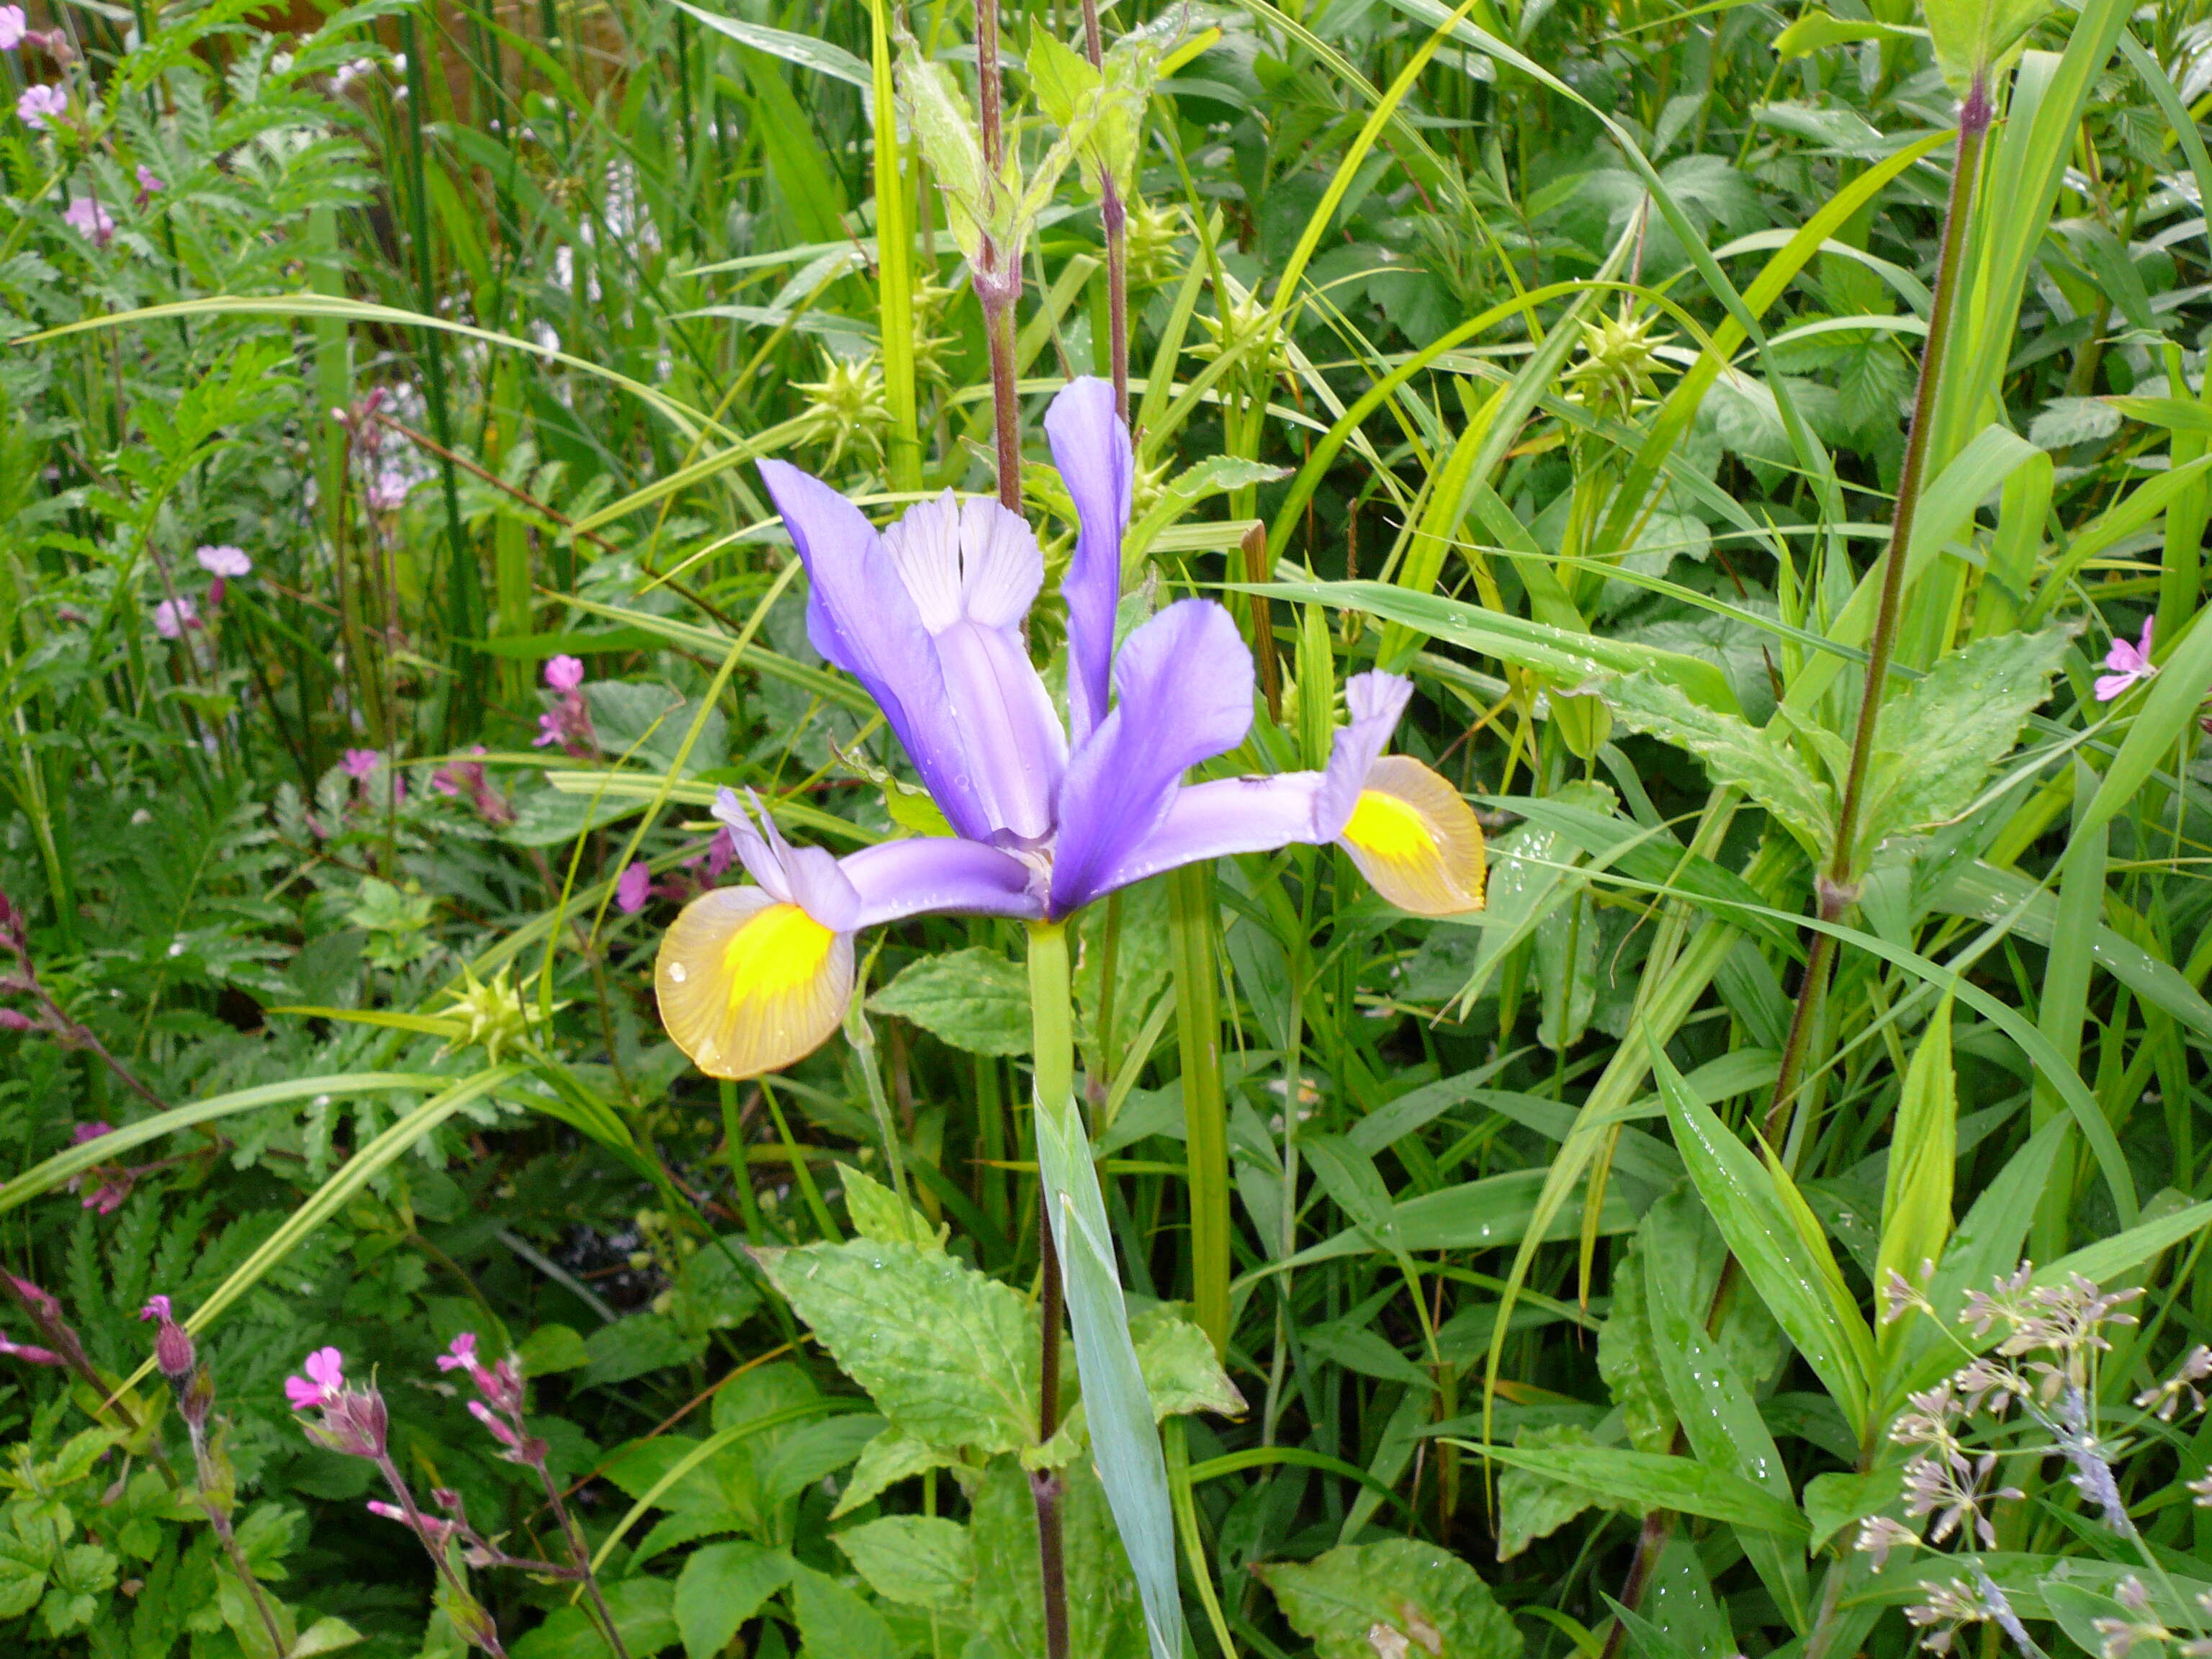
(924, 1561)
(1104, 1616)
(1754, 758)
(1531, 1506)
(976, 999)
(1971, 36)
(720, 1587)
(1402, 1597)
(1181, 1372)
(891, 1456)
(877, 1213)
(948, 1355)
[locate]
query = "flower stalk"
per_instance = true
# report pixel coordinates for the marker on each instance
(997, 276)
(1114, 217)
(1838, 885)
(1052, 1029)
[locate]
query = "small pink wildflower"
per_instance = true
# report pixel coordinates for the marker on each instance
(224, 561)
(13, 27)
(150, 184)
(38, 107)
(564, 673)
(388, 492)
(633, 888)
(324, 1383)
(172, 617)
(721, 853)
(27, 1353)
(362, 764)
(91, 1131)
(172, 1344)
(89, 218)
(2128, 664)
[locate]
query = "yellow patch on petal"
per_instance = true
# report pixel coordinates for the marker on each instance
(747, 984)
(1416, 840)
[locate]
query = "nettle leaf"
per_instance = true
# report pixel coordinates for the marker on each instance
(976, 999)
(1753, 758)
(720, 1587)
(948, 1355)
(937, 113)
(1938, 738)
(1181, 1372)
(877, 1213)
(1360, 1600)
(2065, 422)
(891, 1456)
(922, 1560)
(832, 1619)
(1970, 36)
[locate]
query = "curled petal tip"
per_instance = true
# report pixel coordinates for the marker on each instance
(1416, 840)
(748, 983)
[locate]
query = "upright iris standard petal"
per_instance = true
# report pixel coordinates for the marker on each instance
(1091, 447)
(748, 983)
(860, 617)
(1184, 688)
(972, 571)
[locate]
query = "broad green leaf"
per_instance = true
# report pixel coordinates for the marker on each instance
(1181, 1372)
(877, 1213)
(1627, 1360)
(720, 1587)
(1655, 1480)
(1795, 1276)
(945, 130)
(1937, 740)
(1399, 1597)
(552, 1348)
(833, 1620)
(1756, 759)
(891, 1456)
(633, 1346)
(1834, 1502)
(974, 999)
(924, 1561)
(1916, 1197)
(642, 1609)
(948, 1355)
(1815, 29)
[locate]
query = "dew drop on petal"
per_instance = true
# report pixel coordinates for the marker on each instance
(675, 974)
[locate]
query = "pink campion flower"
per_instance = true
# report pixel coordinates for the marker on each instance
(633, 888)
(38, 107)
(564, 673)
(224, 561)
(89, 218)
(172, 617)
(91, 1131)
(27, 1353)
(172, 1343)
(388, 492)
(721, 853)
(13, 27)
(150, 184)
(360, 764)
(2128, 664)
(322, 1385)
(467, 777)
(500, 1384)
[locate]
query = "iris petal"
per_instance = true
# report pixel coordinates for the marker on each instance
(934, 874)
(1416, 840)
(860, 616)
(748, 983)
(1091, 447)
(972, 570)
(1184, 681)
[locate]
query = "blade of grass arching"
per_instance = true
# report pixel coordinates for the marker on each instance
(2064, 1002)
(894, 266)
(44, 1177)
(685, 418)
(334, 1194)
(681, 478)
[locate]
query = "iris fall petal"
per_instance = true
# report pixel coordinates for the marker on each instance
(748, 983)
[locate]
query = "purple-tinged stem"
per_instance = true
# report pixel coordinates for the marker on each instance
(1113, 215)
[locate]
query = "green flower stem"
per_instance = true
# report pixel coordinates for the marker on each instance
(1077, 1250)
(1114, 217)
(1195, 923)
(1053, 1049)
(1838, 886)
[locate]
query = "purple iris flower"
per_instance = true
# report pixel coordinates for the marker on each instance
(1046, 818)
